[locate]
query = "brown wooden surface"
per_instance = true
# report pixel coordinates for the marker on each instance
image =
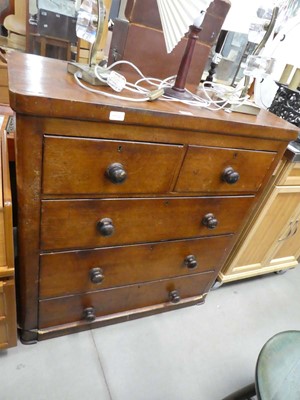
(41, 86)
(203, 168)
(70, 308)
(76, 166)
(68, 273)
(68, 224)
(48, 102)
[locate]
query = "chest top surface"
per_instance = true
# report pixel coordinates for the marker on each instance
(42, 86)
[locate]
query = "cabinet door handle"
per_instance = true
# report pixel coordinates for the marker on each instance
(230, 176)
(295, 228)
(116, 173)
(288, 234)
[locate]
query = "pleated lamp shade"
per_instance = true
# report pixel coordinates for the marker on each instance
(176, 17)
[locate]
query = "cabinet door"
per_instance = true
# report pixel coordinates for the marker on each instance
(274, 227)
(287, 252)
(8, 327)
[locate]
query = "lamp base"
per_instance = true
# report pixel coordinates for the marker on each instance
(87, 73)
(180, 94)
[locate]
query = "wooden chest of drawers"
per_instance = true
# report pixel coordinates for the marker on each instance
(121, 219)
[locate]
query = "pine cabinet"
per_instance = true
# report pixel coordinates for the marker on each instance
(271, 240)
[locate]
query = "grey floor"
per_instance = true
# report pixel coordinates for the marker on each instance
(197, 353)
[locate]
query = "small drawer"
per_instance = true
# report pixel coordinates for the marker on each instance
(93, 166)
(208, 169)
(68, 224)
(86, 271)
(89, 306)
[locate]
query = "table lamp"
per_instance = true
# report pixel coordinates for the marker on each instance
(91, 18)
(177, 17)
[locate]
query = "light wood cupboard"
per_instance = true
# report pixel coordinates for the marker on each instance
(8, 326)
(271, 240)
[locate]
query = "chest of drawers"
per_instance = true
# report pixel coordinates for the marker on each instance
(122, 219)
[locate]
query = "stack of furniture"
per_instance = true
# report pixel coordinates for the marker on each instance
(8, 328)
(126, 209)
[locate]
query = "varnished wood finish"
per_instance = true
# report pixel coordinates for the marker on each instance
(203, 169)
(155, 215)
(79, 166)
(107, 302)
(68, 272)
(70, 224)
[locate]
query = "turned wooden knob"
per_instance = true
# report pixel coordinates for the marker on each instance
(210, 221)
(190, 262)
(96, 275)
(230, 176)
(105, 227)
(174, 297)
(116, 173)
(89, 314)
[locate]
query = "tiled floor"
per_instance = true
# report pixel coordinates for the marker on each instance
(197, 353)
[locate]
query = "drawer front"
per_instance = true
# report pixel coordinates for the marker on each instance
(86, 271)
(68, 224)
(93, 166)
(208, 169)
(110, 301)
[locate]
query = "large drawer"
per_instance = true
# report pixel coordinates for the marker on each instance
(69, 309)
(68, 224)
(209, 169)
(88, 270)
(90, 166)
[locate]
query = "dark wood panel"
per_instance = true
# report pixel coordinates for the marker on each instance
(73, 165)
(69, 309)
(70, 273)
(70, 224)
(203, 169)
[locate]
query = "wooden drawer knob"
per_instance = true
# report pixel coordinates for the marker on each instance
(190, 262)
(210, 221)
(105, 227)
(89, 314)
(230, 176)
(96, 275)
(116, 173)
(174, 297)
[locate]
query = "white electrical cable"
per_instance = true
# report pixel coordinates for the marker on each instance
(114, 96)
(226, 96)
